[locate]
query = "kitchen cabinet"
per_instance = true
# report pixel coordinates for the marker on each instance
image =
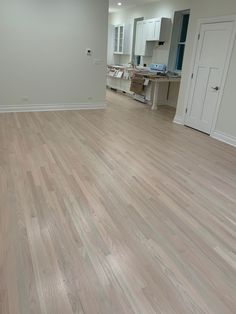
(143, 31)
(119, 39)
(119, 84)
(122, 37)
(139, 43)
(119, 78)
(150, 31)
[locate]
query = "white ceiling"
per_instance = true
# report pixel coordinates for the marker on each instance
(113, 7)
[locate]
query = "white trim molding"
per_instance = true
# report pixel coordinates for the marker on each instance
(179, 120)
(52, 107)
(223, 137)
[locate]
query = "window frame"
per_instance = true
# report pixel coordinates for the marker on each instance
(175, 40)
(181, 43)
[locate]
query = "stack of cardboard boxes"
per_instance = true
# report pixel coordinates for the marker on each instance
(137, 85)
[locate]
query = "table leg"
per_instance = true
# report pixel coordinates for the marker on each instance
(155, 95)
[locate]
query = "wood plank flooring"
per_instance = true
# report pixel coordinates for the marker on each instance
(115, 211)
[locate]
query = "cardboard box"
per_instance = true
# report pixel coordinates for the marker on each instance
(137, 85)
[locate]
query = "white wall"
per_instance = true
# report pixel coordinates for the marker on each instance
(42, 51)
(163, 8)
(226, 123)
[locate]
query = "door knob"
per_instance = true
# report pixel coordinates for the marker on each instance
(216, 88)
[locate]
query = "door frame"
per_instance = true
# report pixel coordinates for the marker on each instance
(229, 18)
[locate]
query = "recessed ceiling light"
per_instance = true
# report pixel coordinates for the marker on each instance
(119, 3)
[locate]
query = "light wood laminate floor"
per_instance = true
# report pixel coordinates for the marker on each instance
(115, 211)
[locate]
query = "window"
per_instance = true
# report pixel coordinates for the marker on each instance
(178, 40)
(182, 42)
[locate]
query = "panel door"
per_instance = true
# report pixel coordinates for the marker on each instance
(210, 62)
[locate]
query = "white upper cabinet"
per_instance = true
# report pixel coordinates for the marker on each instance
(139, 43)
(119, 39)
(149, 30)
(157, 29)
(122, 36)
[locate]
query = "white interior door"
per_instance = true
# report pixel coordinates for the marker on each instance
(211, 56)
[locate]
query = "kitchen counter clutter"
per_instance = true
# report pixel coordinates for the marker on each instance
(161, 87)
(144, 84)
(119, 78)
(137, 84)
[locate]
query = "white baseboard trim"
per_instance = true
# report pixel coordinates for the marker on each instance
(223, 137)
(167, 103)
(179, 120)
(53, 107)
